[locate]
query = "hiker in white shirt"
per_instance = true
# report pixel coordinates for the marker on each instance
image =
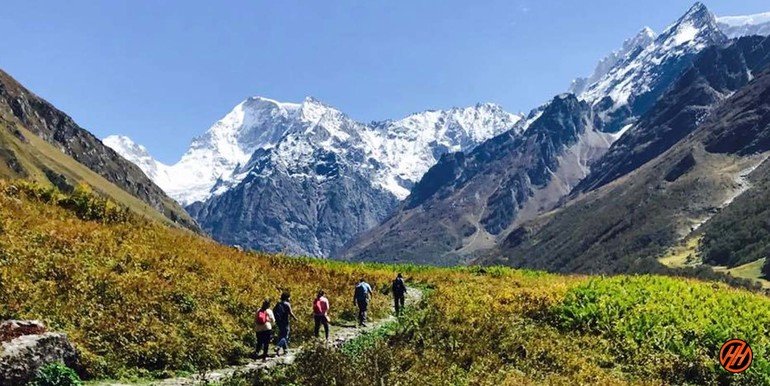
(264, 328)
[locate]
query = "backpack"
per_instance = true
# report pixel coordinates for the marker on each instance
(317, 307)
(262, 317)
(281, 313)
(398, 287)
(360, 292)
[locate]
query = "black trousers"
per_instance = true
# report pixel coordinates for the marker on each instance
(398, 301)
(320, 320)
(263, 341)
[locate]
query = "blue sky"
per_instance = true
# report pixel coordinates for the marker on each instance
(162, 71)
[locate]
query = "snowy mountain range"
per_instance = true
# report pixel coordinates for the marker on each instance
(397, 152)
(470, 202)
(640, 78)
(736, 26)
(304, 178)
(630, 47)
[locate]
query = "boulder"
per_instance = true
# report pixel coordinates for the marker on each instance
(30, 348)
(15, 328)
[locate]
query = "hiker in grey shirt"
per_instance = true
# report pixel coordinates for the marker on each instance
(361, 297)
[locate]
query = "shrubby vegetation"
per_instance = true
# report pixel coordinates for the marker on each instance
(672, 328)
(497, 326)
(139, 298)
(740, 233)
(56, 374)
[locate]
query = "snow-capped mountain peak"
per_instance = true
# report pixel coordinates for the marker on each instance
(125, 145)
(633, 84)
(697, 27)
(631, 46)
(138, 155)
(394, 153)
(737, 26)
(157, 171)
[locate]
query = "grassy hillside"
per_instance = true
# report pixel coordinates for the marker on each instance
(141, 298)
(740, 233)
(23, 154)
(35, 130)
(134, 294)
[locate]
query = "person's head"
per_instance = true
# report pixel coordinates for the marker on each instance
(285, 297)
(320, 293)
(266, 304)
(361, 280)
(399, 276)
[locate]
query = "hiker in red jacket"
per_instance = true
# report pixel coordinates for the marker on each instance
(264, 328)
(321, 314)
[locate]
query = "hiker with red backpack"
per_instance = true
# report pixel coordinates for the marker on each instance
(283, 313)
(321, 313)
(264, 328)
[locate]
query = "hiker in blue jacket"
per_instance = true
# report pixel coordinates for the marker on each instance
(361, 297)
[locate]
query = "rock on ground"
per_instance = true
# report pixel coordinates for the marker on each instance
(23, 353)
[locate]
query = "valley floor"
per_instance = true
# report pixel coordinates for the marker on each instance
(142, 300)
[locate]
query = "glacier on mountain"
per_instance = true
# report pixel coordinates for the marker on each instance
(395, 153)
(640, 41)
(737, 26)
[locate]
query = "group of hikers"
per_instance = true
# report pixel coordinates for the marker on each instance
(282, 314)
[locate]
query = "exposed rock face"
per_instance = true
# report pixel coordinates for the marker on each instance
(715, 74)
(276, 210)
(25, 353)
(11, 329)
(700, 184)
(20, 106)
(467, 200)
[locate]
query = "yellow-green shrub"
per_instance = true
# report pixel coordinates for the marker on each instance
(135, 296)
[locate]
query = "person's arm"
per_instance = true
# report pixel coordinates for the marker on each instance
(291, 311)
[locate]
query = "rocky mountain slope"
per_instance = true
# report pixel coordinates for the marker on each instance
(715, 75)
(630, 88)
(40, 142)
(625, 225)
(468, 202)
(304, 178)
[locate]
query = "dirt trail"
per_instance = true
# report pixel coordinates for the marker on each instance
(338, 336)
